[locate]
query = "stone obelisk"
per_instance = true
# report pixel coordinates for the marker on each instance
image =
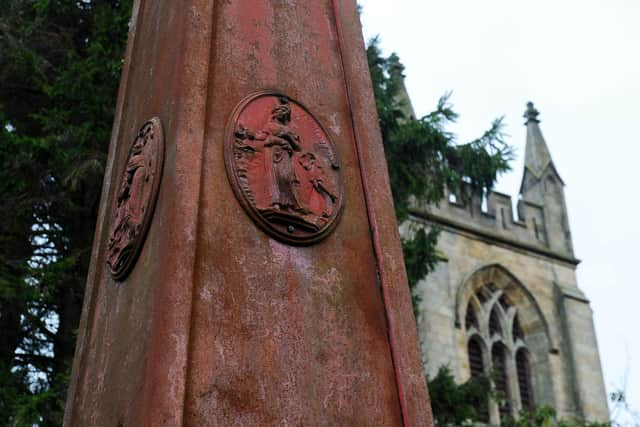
(247, 267)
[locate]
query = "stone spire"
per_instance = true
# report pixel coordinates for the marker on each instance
(542, 186)
(537, 156)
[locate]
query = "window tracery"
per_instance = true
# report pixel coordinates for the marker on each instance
(516, 331)
(497, 347)
(494, 323)
(471, 321)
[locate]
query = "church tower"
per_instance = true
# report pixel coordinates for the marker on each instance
(504, 297)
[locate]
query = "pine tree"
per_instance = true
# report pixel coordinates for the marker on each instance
(60, 63)
(424, 159)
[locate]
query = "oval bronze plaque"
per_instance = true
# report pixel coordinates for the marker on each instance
(283, 168)
(136, 198)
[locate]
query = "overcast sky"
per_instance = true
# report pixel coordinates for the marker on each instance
(579, 62)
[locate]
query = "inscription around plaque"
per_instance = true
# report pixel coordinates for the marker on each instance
(283, 168)
(136, 198)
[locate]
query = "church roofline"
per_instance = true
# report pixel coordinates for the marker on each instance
(481, 233)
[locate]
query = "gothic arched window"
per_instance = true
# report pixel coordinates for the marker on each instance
(494, 322)
(524, 379)
(476, 364)
(500, 377)
(516, 331)
(497, 347)
(470, 319)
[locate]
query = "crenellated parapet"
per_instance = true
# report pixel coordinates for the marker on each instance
(491, 216)
(540, 224)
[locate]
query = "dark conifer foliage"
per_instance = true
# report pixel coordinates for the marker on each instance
(60, 64)
(424, 159)
(455, 404)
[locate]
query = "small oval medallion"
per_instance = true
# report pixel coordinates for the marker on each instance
(136, 198)
(283, 168)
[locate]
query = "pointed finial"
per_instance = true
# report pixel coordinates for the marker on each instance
(531, 114)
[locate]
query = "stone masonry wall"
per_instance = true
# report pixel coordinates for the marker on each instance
(565, 364)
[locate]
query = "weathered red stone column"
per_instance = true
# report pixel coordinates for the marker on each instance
(247, 268)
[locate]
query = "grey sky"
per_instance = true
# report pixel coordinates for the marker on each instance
(579, 62)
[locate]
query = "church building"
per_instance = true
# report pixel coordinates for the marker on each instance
(504, 299)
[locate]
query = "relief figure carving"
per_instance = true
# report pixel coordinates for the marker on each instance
(135, 198)
(286, 170)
